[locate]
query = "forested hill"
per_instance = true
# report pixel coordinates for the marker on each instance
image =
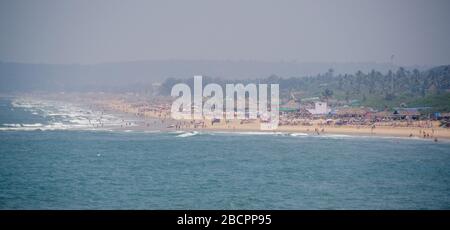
(429, 88)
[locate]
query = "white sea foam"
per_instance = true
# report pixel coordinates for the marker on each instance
(177, 132)
(188, 134)
(63, 115)
(152, 131)
(12, 125)
(298, 134)
(32, 125)
(18, 129)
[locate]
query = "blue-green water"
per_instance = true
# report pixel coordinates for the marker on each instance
(88, 169)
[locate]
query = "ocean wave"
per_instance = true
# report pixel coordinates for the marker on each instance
(18, 129)
(65, 115)
(12, 125)
(257, 133)
(298, 134)
(188, 134)
(152, 131)
(23, 125)
(177, 132)
(32, 125)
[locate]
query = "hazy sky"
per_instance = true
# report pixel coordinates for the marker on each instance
(415, 31)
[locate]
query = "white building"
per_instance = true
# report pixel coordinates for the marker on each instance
(320, 108)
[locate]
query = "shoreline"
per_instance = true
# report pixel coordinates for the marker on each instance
(352, 132)
(236, 126)
(160, 120)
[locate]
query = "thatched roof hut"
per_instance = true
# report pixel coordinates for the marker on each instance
(383, 114)
(290, 106)
(352, 112)
(407, 112)
(304, 113)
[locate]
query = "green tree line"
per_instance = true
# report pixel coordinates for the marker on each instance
(400, 87)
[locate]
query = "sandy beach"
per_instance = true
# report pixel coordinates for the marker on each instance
(160, 116)
(149, 115)
(432, 133)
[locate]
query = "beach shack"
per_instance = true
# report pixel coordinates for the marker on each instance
(352, 112)
(320, 108)
(444, 119)
(383, 116)
(407, 113)
(290, 107)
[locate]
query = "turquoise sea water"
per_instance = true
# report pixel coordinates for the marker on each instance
(97, 169)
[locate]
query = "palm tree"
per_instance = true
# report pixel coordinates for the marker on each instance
(327, 93)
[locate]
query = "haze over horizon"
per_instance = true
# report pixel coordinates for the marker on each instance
(416, 32)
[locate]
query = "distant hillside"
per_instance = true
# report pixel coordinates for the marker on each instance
(138, 76)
